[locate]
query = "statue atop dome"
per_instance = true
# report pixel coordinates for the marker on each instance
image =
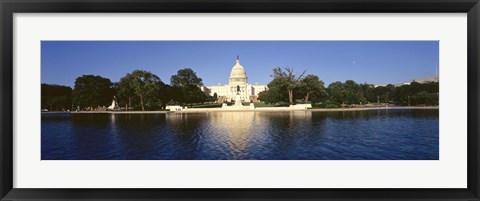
(238, 75)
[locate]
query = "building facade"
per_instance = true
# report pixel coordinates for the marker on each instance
(237, 83)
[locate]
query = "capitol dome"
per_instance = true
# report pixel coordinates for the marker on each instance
(238, 74)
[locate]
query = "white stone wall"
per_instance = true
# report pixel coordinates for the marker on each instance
(257, 88)
(229, 91)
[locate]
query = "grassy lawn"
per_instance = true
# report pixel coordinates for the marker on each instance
(262, 104)
(212, 105)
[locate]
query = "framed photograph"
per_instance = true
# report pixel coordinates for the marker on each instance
(239, 100)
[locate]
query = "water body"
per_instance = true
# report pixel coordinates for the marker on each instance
(398, 134)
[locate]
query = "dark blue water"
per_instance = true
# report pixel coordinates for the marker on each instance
(353, 135)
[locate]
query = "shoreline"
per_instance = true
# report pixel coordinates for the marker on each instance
(376, 108)
(266, 109)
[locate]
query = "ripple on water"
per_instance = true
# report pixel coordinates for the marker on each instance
(304, 135)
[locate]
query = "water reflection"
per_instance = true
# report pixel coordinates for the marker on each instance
(296, 135)
(236, 127)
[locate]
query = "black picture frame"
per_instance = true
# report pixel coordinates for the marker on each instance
(9, 7)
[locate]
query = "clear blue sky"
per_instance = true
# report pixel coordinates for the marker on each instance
(375, 62)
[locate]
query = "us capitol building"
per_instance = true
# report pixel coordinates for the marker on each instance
(238, 84)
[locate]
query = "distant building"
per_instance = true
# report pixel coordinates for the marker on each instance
(238, 83)
(419, 80)
(426, 79)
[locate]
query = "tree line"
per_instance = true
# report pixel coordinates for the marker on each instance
(287, 88)
(138, 90)
(143, 90)
(56, 97)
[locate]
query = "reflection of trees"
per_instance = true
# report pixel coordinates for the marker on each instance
(380, 113)
(138, 134)
(142, 136)
(185, 131)
(91, 136)
(286, 130)
(118, 136)
(233, 135)
(93, 120)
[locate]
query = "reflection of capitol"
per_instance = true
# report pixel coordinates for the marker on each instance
(238, 80)
(236, 135)
(237, 127)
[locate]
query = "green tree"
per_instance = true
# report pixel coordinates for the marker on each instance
(431, 87)
(262, 96)
(292, 81)
(346, 93)
(193, 94)
(368, 91)
(424, 98)
(92, 91)
(185, 77)
(126, 90)
(144, 85)
(415, 87)
(353, 93)
(312, 85)
(174, 94)
(337, 92)
(56, 97)
(385, 93)
(274, 95)
(401, 94)
(187, 81)
(276, 91)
